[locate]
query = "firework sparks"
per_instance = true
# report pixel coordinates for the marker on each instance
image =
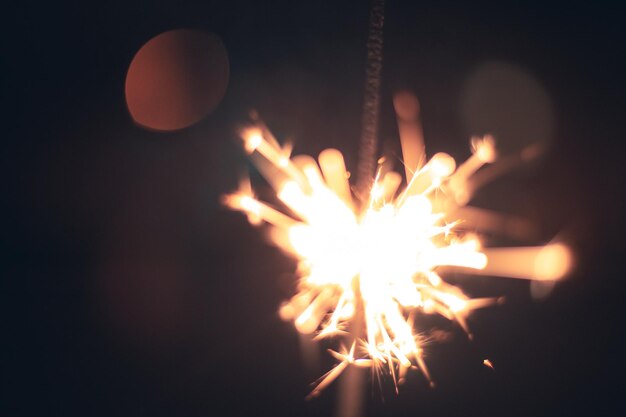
(381, 259)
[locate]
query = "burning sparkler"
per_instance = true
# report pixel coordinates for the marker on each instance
(379, 259)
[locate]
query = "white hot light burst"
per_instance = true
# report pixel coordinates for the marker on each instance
(367, 265)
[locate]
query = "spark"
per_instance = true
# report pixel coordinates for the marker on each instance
(381, 259)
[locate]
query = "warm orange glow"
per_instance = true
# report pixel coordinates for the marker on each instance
(544, 263)
(410, 128)
(377, 261)
(176, 79)
(334, 169)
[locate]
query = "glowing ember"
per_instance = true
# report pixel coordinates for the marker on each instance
(379, 261)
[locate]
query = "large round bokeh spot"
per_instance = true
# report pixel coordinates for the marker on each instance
(176, 79)
(507, 101)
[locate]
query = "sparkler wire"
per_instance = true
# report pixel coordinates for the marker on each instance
(351, 403)
(371, 99)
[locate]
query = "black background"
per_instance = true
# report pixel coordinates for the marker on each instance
(130, 291)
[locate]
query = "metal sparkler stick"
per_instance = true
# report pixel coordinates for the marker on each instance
(371, 99)
(351, 398)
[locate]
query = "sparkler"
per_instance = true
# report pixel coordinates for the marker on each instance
(380, 260)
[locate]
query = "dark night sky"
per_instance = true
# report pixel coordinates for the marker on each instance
(131, 292)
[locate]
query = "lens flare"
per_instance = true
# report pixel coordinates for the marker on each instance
(380, 260)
